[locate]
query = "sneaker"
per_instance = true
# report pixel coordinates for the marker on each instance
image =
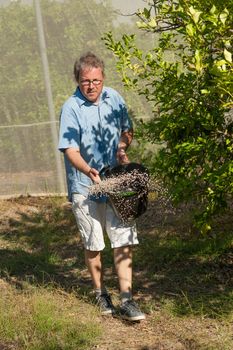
(105, 304)
(130, 311)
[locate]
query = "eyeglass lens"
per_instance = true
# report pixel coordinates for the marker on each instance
(88, 82)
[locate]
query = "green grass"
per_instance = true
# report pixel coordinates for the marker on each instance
(45, 319)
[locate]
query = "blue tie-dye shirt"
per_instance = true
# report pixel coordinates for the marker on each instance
(95, 130)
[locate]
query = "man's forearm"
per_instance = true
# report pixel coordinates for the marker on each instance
(77, 160)
(125, 139)
(80, 164)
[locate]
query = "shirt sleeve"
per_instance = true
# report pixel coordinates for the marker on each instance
(69, 132)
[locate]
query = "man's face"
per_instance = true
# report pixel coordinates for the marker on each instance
(91, 83)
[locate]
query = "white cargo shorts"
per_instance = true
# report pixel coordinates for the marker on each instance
(95, 218)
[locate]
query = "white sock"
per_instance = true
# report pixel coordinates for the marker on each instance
(100, 291)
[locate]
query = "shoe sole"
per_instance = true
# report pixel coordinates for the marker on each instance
(108, 312)
(134, 318)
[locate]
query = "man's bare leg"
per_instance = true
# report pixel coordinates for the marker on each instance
(129, 310)
(94, 265)
(123, 265)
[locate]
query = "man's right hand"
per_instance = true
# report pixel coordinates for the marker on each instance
(74, 156)
(94, 175)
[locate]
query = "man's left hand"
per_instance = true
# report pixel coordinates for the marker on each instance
(122, 157)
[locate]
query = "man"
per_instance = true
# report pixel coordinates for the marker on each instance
(95, 132)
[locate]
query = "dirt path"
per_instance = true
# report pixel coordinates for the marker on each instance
(122, 335)
(159, 332)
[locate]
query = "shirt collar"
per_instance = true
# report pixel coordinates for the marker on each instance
(82, 99)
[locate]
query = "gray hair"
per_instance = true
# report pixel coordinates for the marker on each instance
(87, 61)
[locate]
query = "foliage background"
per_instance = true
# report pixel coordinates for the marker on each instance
(187, 78)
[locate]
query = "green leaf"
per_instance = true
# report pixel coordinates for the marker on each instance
(223, 16)
(213, 9)
(141, 25)
(205, 228)
(195, 14)
(152, 23)
(190, 29)
(146, 13)
(220, 63)
(227, 55)
(198, 60)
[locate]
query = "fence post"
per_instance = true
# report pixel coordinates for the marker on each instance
(44, 59)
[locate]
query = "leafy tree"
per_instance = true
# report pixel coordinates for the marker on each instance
(187, 78)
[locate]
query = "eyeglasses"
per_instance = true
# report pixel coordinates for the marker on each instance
(88, 82)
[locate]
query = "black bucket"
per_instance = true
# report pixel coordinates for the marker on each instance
(131, 199)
